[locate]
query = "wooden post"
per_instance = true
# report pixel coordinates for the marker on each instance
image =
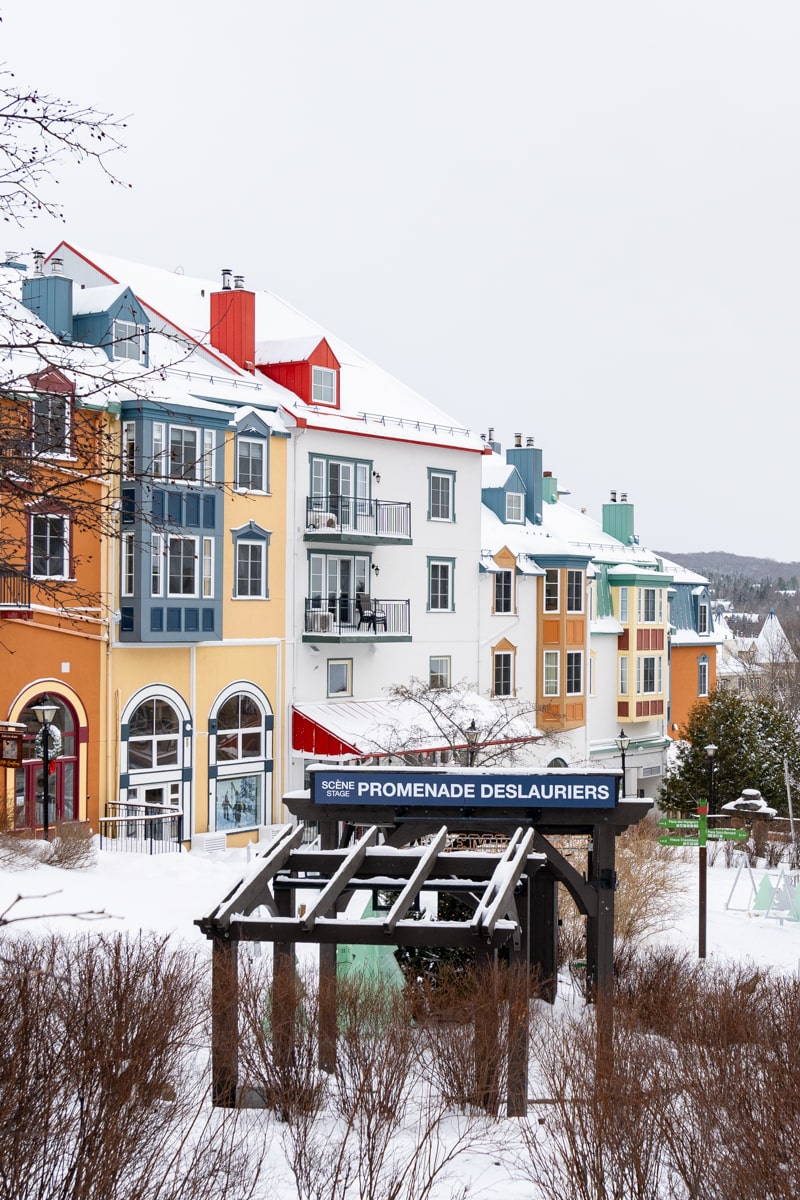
(600, 943)
(224, 1022)
(544, 930)
(327, 976)
(519, 968)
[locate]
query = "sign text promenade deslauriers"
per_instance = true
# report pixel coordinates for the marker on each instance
(470, 789)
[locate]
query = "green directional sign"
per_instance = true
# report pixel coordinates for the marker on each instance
(683, 823)
(728, 835)
(678, 841)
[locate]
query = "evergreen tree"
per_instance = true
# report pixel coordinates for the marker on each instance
(752, 736)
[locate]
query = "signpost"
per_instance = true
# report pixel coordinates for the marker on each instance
(701, 835)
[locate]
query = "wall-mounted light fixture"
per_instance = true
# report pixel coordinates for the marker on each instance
(376, 568)
(376, 475)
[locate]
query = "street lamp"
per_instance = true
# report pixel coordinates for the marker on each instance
(623, 741)
(44, 712)
(472, 737)
(711, 750)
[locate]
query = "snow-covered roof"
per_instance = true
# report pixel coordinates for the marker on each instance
(96, 300)
(372, 402)
(288, 350)
(389, 726)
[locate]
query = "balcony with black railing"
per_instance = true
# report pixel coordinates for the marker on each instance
(357, 519)
(356, 619)
(15, 593)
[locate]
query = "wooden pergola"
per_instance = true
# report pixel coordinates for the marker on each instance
(514, 897)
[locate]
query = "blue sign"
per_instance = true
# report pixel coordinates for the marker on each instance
(468, 789)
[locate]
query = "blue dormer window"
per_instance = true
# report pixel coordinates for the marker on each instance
(515, 506)
(128, 340)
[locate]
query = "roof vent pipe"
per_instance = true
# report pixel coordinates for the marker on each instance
(226, 279)
(56, 266)
(529, 441)
(517, 440)
(238, 282)
(613, 497)
(491, 434)
(38, 262)
(623, 497)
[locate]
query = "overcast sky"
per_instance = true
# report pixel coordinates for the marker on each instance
(575, 219)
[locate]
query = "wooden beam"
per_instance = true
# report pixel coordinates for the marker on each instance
(414, 886)
(498, 897)
(253, 890)
(327, 897)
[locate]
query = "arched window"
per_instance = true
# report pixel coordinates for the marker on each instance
(240, 758)
(557, 762)
(153, 733)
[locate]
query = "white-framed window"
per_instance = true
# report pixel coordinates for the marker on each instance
(439, 671)
(207, 465)
(552, 671)
(441, 495)
(208, 568)
(440, 585)
(240, 758)
(128, 448)
(340, 676)
(251, 569)
(648, 674)
(702, 675)
(574, 591)
(574, 673)
(502, 673)
(504, 592)
(515, 506)
(128, 340)
(160, 459)
(552, 598)
(191, 454)
(127, 566)
(184, 452)
(651, 605)
(623, 605)
(702, 619)
(153, 735)
(156, 564)
(323, 385)
(50, 557)
(182, 563)
(251, 464)
(52, 424)
(623, 676)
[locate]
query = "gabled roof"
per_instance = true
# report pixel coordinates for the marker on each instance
(287, 350)
(96, 300)
(495, 473)
(772, 644)
(372, 402)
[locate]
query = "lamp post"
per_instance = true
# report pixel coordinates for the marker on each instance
(472, 737)
(44, 712)
(623, 741)
(702, 813)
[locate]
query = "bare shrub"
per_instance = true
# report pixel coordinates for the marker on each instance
(99, 1095)
(469, 1030)
(774, 852)
(73, 847)
(376, 1129)
(646, 900)
(17, 853)
(599, 1137)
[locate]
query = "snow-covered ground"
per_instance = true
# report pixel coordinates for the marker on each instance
(168, 893)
